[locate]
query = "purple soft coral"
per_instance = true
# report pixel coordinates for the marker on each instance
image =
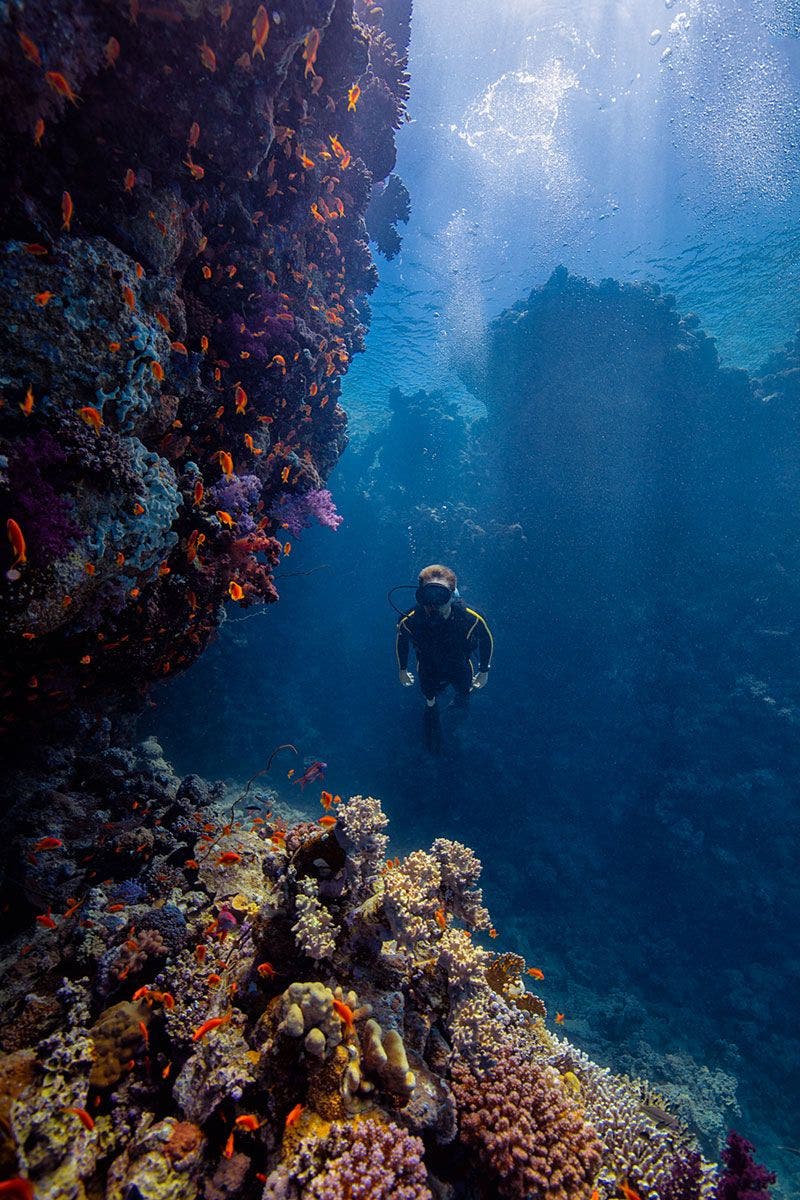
(742, 1177)
(239, 496)
(297, 512)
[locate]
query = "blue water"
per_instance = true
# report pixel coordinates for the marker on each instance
(645, 864)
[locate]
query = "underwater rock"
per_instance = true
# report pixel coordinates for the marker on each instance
(183, 292)
(164, 1161)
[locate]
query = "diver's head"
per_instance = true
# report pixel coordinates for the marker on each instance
(436, 588)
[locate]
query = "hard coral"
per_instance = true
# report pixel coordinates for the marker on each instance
(518, 1120)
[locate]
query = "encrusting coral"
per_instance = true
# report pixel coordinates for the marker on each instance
(403, 1063)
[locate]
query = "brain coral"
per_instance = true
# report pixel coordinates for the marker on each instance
(524, 1130)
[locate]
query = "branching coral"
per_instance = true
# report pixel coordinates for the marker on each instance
(520, 1123)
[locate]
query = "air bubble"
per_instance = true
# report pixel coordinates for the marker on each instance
(665, 54)
(655, 37)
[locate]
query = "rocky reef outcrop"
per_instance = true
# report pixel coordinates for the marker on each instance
(171, 1025)
(184, 268)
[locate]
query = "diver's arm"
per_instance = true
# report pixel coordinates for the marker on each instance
(402, 644)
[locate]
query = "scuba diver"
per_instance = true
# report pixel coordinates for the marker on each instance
(446, 635)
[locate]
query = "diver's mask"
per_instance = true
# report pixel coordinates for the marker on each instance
(435, 598)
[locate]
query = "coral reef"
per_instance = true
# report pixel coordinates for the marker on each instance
(182, 294)
(362, 1044)
(742, 1177)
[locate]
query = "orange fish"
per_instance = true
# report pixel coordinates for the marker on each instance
(327, 822)
(628, 1191)
(441, 919)
(157, 369)
(207, 56)
(112, 51)
(207, 1026)
(218, 412)
(67, 209)
(305, 162)
(228, 1150)
(225, 13)
(214, 980)
(48, 843)
(313, 389)
(43, 298)
(336, 145)
(194, 135)
(249, 1122)
(128, 297)
(310, 48)
(130, 180)
(138, 509)
(266, 970)
(61, 86)
(83, 1116)
(29, 49)
(326, 800)
(344, 161)
(46, 920)
(344, 1012)
(163, 321)
(225, 461)
(204, 343)
(559, 1018)
(92, 417)
(199, 491)
(19, 1189)
(260, 29)
(493, 932)
(352, 97)
(139, 269)
(240, 397)
(34, 248)
(38, 131)
(17, 542)
(285, 475)
(250, 444)
(196, 171)
(206, 271)
(287, 550)
(235, 590)
(535, 973)
(225, 518)
(294, 1116)
(26, 405)
(178, 347)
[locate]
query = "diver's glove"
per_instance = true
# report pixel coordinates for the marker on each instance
(407, 679)
(480, 680)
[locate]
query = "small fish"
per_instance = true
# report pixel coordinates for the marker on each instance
(228, 1151)
(138, 509)
(250, 444)
(29, 49)
(326, 822)
(305, 162)
(128, 297)
(61, 86)
(287, 549)
(206, 271)
(83, 1116)
(194, 136)
(266, 970)
(441, 918)
(344, 1012)
(310, 48)
(228, 857)
(199, 491)
(352, 97)
(196, 171)
(34, 248)
(67, 209)
(225, 518)
(38, 131)
(207, 1026)
(285, 475)
(315, 771)
(260, 30)
(204, 344)
(130, 179)
(48, 843)
(326, 800)
(240, 398)
(26, 405)
(225, 461)
(249, 1122)
(178, 347)
(163, 321)
(628, 1192)
(535, 973)
(559, 1018)
(214, 980)
(45, 920)
(336, 145)
(225, 13)
(91, 417)
(207, 56)
(294, 1116)
(157, 369)
(17, 1189)
(235, 590)
(112, 51)
(493, 932)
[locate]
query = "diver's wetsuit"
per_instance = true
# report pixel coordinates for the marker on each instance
(444, 647)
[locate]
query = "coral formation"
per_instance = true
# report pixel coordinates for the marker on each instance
(182, 292)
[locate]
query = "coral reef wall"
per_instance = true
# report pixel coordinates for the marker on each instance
(183, 276)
